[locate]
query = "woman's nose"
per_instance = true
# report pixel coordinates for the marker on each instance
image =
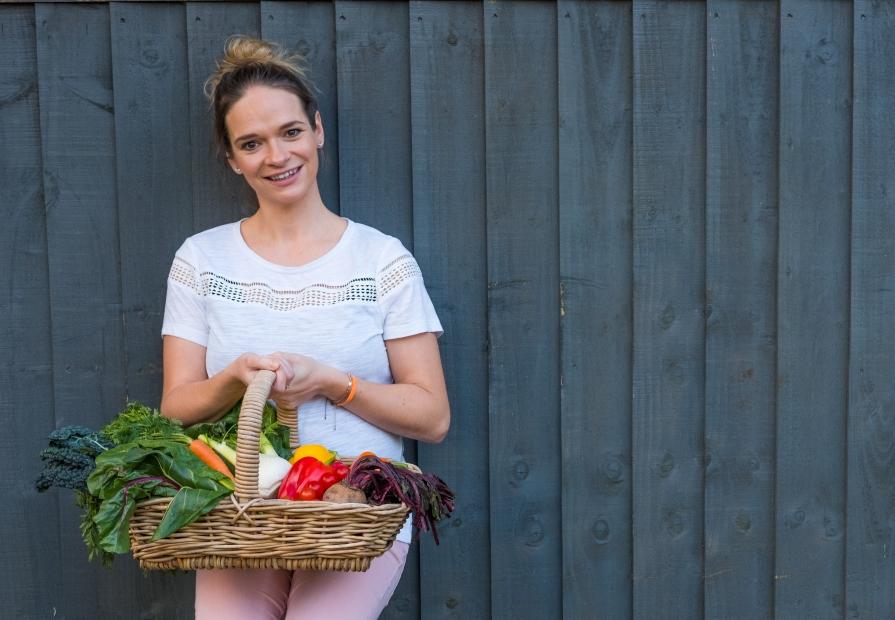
(276, 154)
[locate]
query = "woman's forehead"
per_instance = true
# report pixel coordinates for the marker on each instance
(264, 105)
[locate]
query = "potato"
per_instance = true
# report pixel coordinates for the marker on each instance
(341, 493)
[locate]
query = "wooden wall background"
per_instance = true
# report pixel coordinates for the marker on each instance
(660, 236)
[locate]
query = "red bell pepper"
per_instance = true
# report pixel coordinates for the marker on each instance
(309, 478)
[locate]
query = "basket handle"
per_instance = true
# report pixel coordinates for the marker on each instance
(248, 434)
(289, 419)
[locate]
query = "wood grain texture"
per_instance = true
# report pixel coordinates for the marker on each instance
(373, 67)
(669, 305)
(219, 196)
(149, 60)
(813, 307)
(308, 28)
(31, 554)
(595, 203)
(870, 568)
(373, 56)
(446, 50)
(523, 308)
(149, 67)
(78, 139)
(741, 281)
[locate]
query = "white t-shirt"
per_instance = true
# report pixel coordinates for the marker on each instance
(338, 309)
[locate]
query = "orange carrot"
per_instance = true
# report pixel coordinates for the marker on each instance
(208, 456)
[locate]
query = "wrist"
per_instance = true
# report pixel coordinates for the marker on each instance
(334, 384)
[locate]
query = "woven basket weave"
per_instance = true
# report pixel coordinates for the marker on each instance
(245, 531)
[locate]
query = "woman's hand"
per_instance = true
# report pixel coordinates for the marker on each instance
(247, 365)
(303, 380)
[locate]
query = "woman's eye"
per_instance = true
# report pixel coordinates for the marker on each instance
(249, 146)
(294, 132)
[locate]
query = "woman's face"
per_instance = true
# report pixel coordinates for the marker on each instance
(273, 145)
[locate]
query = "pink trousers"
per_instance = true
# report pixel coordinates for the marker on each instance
(291, 595)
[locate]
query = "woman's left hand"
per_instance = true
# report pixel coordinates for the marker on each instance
(305, 382)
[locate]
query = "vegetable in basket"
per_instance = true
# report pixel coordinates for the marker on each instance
(140, 455)
(321, 453)
(427, 495)
(272, 468)
(309, 478)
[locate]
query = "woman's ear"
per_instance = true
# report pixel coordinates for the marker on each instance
(318, 129)
(233, 165)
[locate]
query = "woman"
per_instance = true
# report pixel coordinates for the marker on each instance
(336, 309)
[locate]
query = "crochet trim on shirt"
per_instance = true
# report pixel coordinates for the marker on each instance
(361, 289)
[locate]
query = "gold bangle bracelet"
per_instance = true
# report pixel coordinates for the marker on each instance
(350, 392)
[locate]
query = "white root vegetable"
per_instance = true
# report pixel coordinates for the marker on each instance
(271, 471)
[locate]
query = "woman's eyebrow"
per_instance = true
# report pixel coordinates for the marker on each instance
(280, 128)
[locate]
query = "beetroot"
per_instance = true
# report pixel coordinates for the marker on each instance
(427, 495)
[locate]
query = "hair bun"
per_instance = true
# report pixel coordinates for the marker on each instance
(242, 51)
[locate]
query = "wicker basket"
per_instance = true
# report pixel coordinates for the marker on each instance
(245, 531)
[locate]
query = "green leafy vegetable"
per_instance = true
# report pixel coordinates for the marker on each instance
(138, 421)
(224, 430)
(69, 458)
(147, 468)
(141, 454)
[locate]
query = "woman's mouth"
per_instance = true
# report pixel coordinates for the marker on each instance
(284, 176)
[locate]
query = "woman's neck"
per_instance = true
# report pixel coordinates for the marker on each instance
(293, 236)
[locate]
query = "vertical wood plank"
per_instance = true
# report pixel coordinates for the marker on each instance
(154, 191)
(373, 56)
(78, 136)
(813, 312)
(523, 308)
(741, 279)
(375, 180)
(31, 555)
(595, 202)
(871, 428)
(219, 196)
(669, 302)
(308, 28)
(448, 127)
(149, 63)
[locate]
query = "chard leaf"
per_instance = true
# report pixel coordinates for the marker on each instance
(188, 505)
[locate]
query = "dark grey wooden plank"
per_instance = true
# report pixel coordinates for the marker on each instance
(446, 51)
(372, 53)
(375, 183)
(149, 62)
(741, 281)
(78, 135)
(219, 196)
(30, 520)
(308, 28)
(669, 302)
(523, 308)
(813, 308)
(595, 202)
(870, 568)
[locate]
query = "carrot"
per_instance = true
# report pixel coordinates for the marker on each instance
(208, 456)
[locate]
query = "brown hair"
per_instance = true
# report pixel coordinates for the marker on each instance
(249, 62)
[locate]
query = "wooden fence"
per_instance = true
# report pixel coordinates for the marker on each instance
(660, 236)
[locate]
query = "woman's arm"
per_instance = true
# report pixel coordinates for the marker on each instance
(414, 406)
(189, 395)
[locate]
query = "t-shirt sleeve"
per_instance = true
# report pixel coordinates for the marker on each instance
(405, 305)
(185, 301)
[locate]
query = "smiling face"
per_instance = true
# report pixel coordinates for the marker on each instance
(274, 146)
